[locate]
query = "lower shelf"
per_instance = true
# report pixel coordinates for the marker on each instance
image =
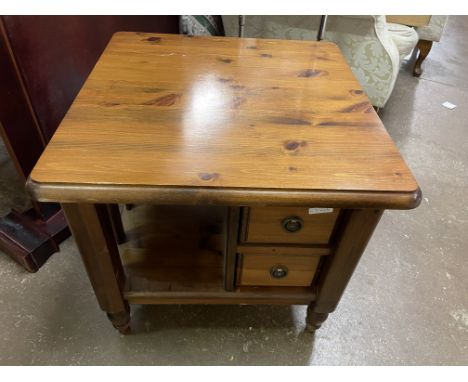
(247, 296)
(173, 256)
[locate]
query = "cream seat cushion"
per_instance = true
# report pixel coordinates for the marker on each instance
(404, 37)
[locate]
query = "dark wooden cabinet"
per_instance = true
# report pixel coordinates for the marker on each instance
(44, 61)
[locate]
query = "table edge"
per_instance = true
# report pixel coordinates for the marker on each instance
(120, 193)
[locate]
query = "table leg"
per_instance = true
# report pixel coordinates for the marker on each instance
(117, 225)
(230, 250)
(339, 267)
(92, 229)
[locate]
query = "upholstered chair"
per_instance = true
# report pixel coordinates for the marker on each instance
(427, 35)
(372, 49)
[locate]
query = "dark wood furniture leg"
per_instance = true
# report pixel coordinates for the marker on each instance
(116, 220)
(357, 229)
(230, 250)
(92, 229)
(424, 47)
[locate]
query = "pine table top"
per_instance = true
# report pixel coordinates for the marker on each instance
(222, 120)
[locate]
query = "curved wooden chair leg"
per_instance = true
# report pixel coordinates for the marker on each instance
(424, 47)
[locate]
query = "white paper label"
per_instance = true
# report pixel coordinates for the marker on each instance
(449, 105)
(313, 211)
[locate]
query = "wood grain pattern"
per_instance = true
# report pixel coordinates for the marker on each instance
(337, 269)
(167, 111)
(243, 295)
(168, 248)
(99, 252)
(168, 260)
(264, 225)
(356, 228)
(283, 250)
(127, 194)
(193, 277)
(255, 269)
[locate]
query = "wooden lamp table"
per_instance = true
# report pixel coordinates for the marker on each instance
(258, 167)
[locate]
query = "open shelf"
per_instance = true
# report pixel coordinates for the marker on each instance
(173, 255)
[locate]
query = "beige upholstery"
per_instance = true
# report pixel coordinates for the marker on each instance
(366, 42)
(405, 38)
(433, 31)
(427, 35)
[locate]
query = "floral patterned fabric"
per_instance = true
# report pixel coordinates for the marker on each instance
(201, 25)
(364, 40)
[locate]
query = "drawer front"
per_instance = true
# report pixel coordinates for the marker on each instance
(267, 269)
(287, 225)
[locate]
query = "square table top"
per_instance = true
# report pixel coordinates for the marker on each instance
(219, 119)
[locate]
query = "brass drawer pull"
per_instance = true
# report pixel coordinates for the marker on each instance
(278, 271)
(292, 224)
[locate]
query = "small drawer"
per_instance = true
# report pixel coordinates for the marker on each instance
(285, 225)
(273, 266)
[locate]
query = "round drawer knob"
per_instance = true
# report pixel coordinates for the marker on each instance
(292, 224)
(279, 271)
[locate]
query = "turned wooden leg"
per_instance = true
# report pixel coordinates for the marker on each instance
(424, 47)
(354, 234)
(121, 320)
(92, 229)
(314, 320)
